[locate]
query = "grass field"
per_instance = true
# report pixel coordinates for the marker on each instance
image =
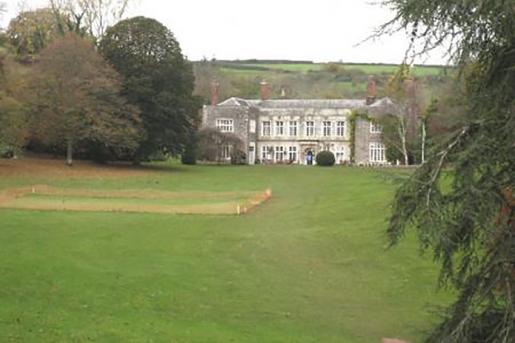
(372, 69)
(309, 265)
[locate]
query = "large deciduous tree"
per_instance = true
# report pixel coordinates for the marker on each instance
(158, 79)
(76, 100)
(468, 223)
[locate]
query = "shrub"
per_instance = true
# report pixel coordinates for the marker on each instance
(238, 157)
(189, 155)
(325, 159)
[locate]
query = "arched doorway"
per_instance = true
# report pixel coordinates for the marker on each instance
(309, 157)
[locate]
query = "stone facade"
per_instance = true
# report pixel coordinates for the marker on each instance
(294, 131)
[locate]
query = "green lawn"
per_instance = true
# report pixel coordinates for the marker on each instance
(310, 265)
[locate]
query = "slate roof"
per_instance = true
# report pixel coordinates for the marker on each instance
(305, 103)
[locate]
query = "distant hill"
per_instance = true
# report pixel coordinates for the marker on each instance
(305, 79)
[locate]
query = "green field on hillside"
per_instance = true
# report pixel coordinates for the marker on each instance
(371, 69)
(309, 265)
(310, 80)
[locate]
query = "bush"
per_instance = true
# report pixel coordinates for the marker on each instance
(238, 157)
(325, 159)
(189, 156)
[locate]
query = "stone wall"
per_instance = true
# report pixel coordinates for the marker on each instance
(363, 138)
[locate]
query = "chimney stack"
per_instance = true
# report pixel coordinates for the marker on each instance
(283, 93)
(265, 90)
(371, 90)
(215, 92)
(410, 88)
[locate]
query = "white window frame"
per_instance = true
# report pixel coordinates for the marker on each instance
(292, 153)
(225, 125)
(279, 153)
(377, 152)
(279, 128)
(293, 127)
(340, 128)
(252, 126)
(375, 127)
(267, 153)
(225, 152)
(310, 129)
(326, 128)
(266, 128)
(339, 154)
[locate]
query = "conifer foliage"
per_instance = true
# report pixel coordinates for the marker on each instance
(460, 202)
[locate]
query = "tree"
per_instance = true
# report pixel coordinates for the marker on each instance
(76, 100)
(95, 16)
(468, 223)
(425, 117)
(158, 79)
(399, 127)
(31, 31)
(14, 127)
(212, 143)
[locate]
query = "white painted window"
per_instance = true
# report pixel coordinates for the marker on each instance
(266, 128)
(339, 154)
(267, 152)
(377, 153)
(225, 125)
(279, 153)
(326, 125)
(293, 128)
(252, 126)
(225, 152)
(375, 128)
(310, 128)
(292, 154)
(279, 128)
(340, 128)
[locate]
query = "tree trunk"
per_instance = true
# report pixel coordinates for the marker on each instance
(423, 154)
(405, 151)
(69, 151)
(402, 136)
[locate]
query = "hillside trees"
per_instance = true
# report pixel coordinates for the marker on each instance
(157, 79)
(75, 100)
(468, 224)
(31, 31)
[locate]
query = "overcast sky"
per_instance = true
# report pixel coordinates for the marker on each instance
(318, 30)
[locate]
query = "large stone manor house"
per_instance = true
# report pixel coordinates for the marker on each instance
(294, 131)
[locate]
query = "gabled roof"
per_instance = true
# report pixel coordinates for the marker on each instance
(234, 102)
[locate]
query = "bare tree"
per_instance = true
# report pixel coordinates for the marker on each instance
(93, 15)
